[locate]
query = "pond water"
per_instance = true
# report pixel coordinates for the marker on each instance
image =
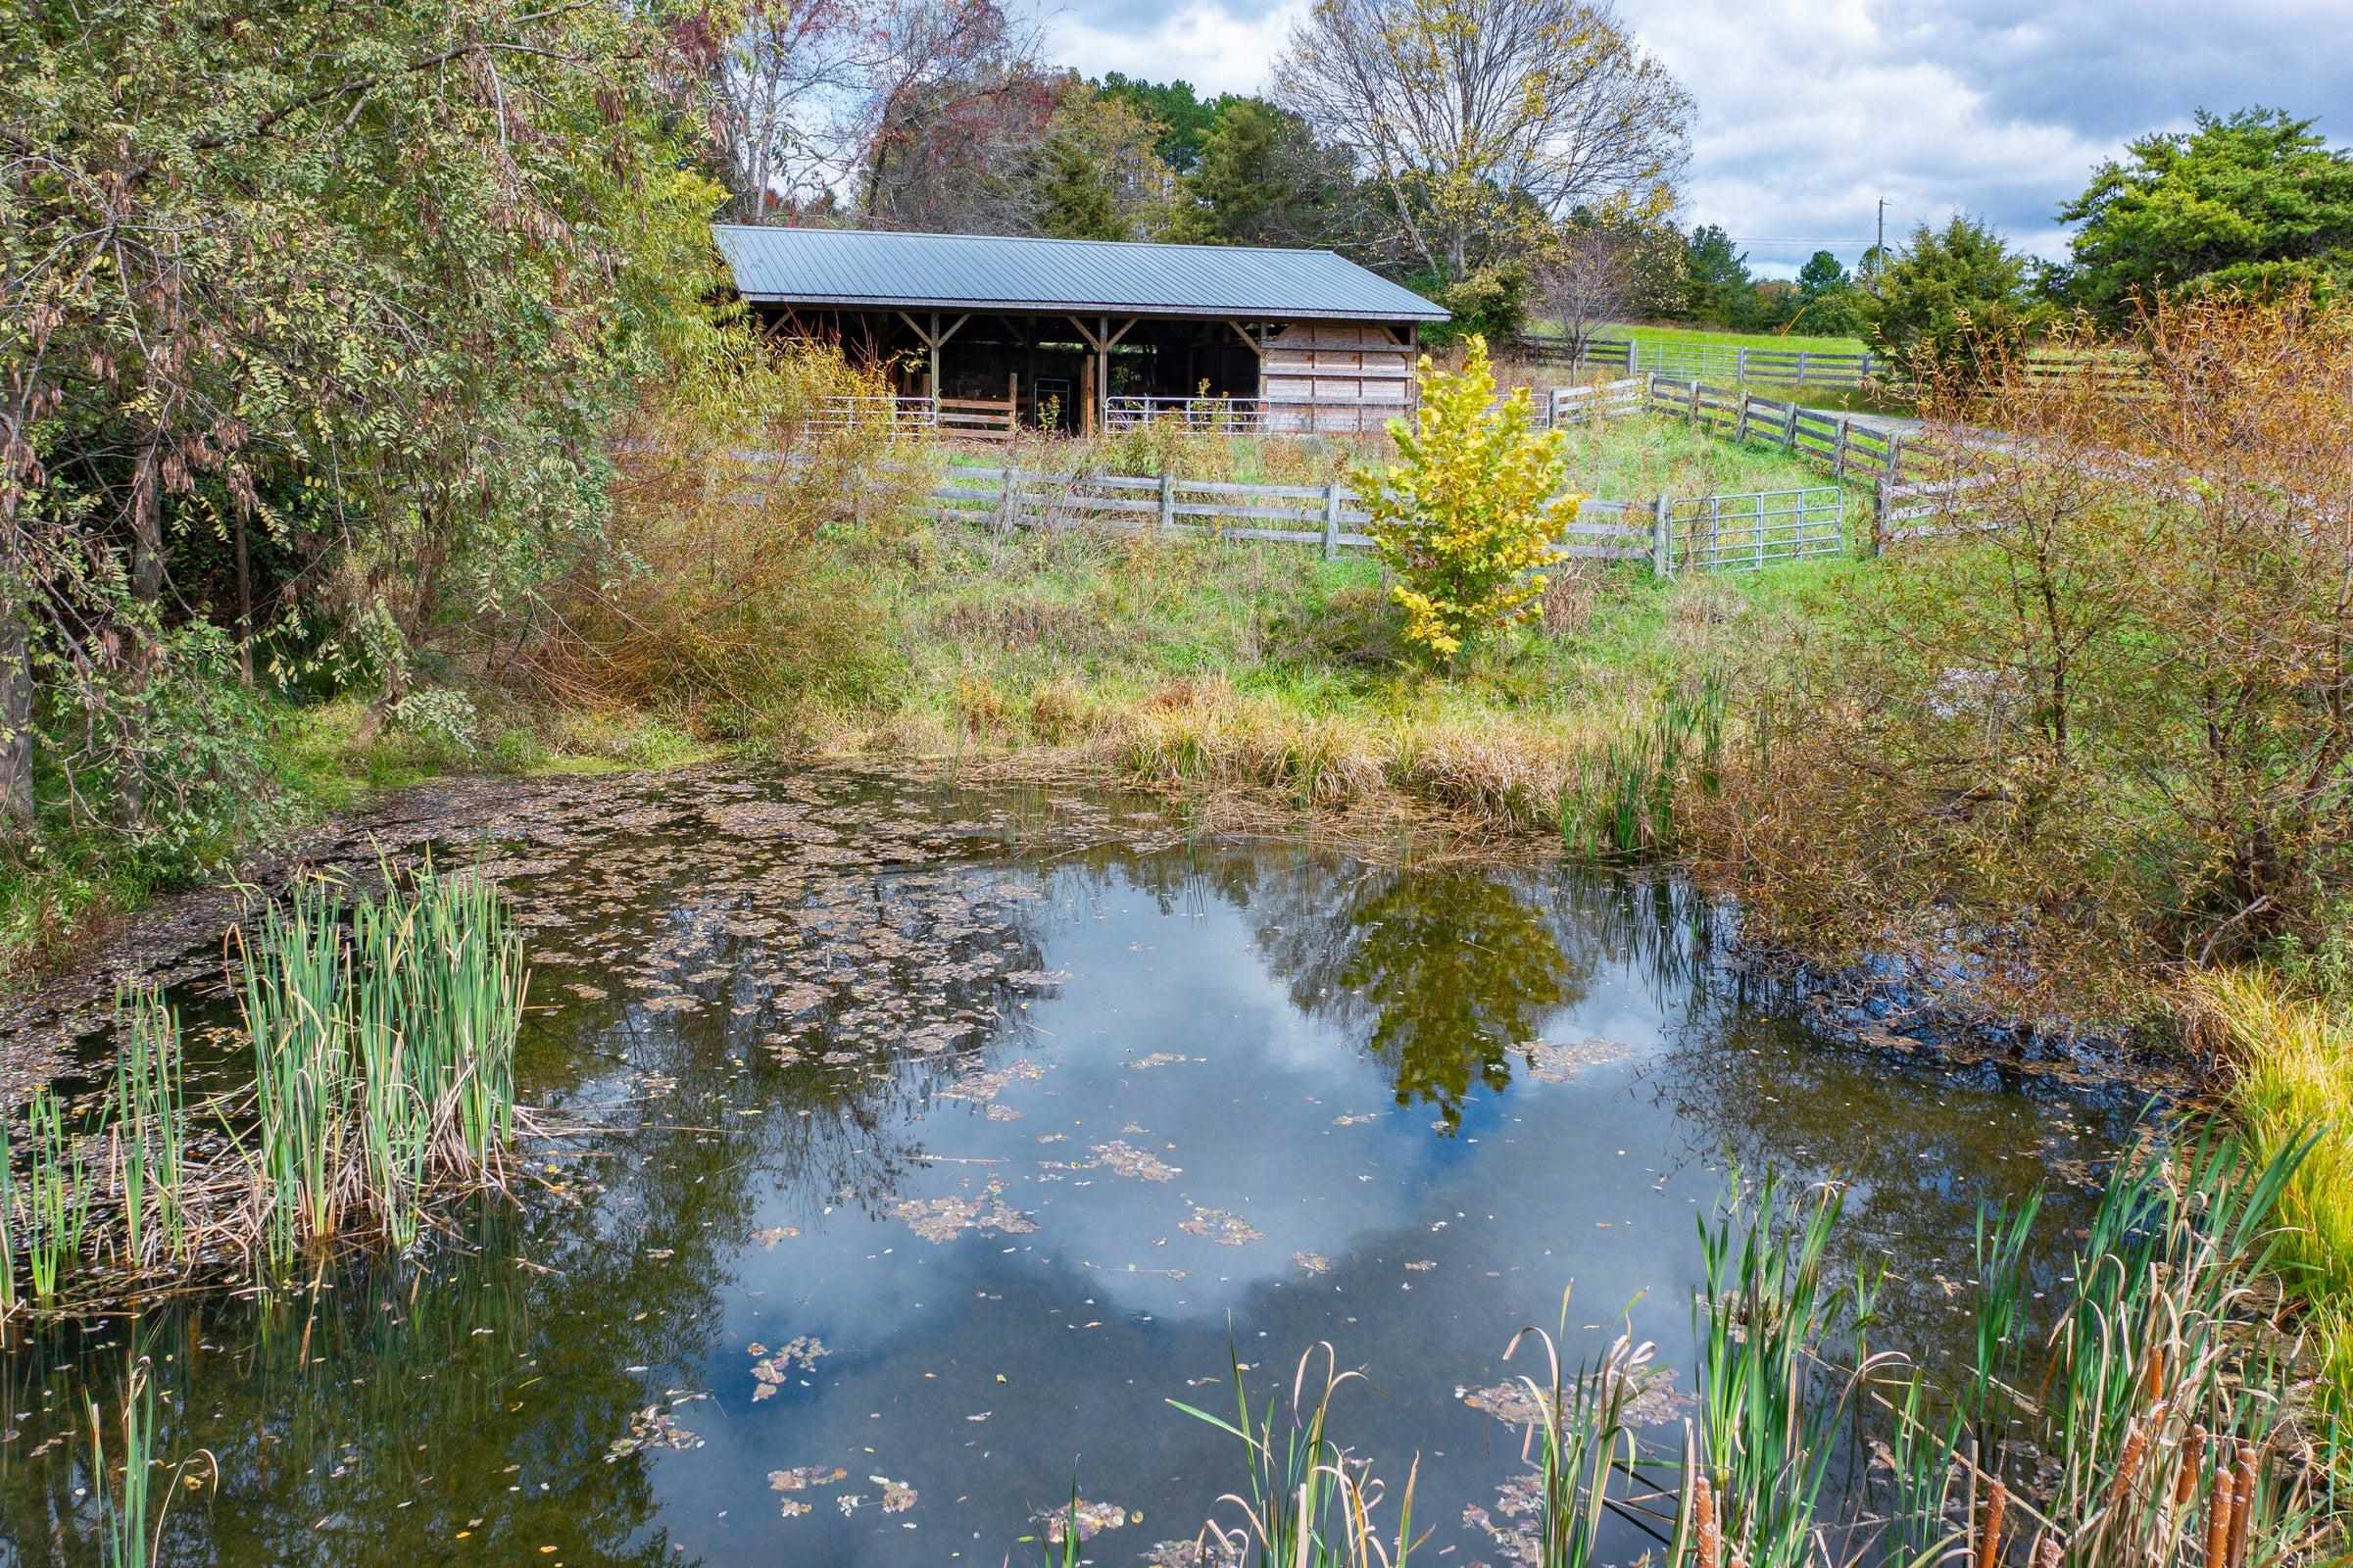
(923, 1143)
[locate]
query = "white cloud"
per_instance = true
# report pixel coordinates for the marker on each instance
(1202, 42)
(1812, 110)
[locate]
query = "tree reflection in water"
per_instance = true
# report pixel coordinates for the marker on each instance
(1442, 971)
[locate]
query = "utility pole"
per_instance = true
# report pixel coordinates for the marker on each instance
(1879, 251)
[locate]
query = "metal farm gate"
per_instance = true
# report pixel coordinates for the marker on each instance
(1716, 533)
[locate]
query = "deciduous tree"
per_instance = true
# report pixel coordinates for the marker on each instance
(1483, 120)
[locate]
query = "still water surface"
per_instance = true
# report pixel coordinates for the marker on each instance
(936, 1140)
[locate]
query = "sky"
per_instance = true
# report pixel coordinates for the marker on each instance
(1810, 111)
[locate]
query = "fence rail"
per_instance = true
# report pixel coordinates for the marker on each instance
(880, 412)
(1740, 363)
(1672, 533)
(1590, 405)
(1849, 448)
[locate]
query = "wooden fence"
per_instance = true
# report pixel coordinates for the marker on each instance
(1671, 533)
(1588, 405)
(1741, 362)
(1735, 361)
(1848, 447)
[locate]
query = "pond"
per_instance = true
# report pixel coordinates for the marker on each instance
(920, 1145)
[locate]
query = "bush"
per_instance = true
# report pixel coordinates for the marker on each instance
(714, 601)
(2102, 718)
(1470, 508)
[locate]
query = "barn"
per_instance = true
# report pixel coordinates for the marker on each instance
(981, 332)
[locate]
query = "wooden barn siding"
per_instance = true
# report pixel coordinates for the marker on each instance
(1342, 377)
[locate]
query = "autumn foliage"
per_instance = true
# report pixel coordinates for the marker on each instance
(1469, 511)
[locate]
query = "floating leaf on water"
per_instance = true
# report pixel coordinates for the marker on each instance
(1093, 1519)
(1226, 1230)
(1312, 1262)
(1126, 1160)
(1161, 1059)
(806, 1477)
(943, 1219)
(769, 1371)
(1553, 1063)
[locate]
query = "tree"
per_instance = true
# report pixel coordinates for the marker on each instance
(1469, 510)
(771, 96)
(1715, 276)
(1097, 174)
(1263, 179)
(353, 293)
(1956, 300)
(2255, 200)
(1820, 275)
(1483, 120)
(1593, 273)
(1185, 119)
(951, 114)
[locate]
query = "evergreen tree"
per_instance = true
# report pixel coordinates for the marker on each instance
(1075, 195)
(1957, 297)
(1715, 277)
(1261, 180)
(2255, 200)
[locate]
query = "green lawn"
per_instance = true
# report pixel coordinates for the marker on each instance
(1696, 336)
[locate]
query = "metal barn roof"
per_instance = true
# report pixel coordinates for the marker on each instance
(875, 270)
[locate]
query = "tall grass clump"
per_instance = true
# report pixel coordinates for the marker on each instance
(1306, 1503)
(2288, 1066)
(383, 1037)
(1622, 800)
(2159, 1415)
(382, 1032)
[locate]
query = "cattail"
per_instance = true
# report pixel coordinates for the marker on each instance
(1704, 1507)
(2156, 1383)
(2193, 1454)
(1989, 1544)
(2243, 1489)
(2128, 1466)
(2218, 1522)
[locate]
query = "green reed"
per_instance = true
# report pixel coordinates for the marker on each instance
(148, 1136)
(1768, 1314)
(382, 1031)
(1308, 1505)
(1623, 804)
(2162, 1418)
(54, 1197)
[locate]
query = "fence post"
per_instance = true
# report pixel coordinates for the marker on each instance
(1332, 519)
(1739, 365)
(1739, 426)
(1837, 463)
(1662, 537)
(1802, 366)
(1878, 516)
(1634, 355)
(1167, 517)
(1695, 403)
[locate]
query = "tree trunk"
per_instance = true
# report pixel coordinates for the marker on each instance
(16, 710)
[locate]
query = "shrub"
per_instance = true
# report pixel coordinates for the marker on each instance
(1470, 508)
